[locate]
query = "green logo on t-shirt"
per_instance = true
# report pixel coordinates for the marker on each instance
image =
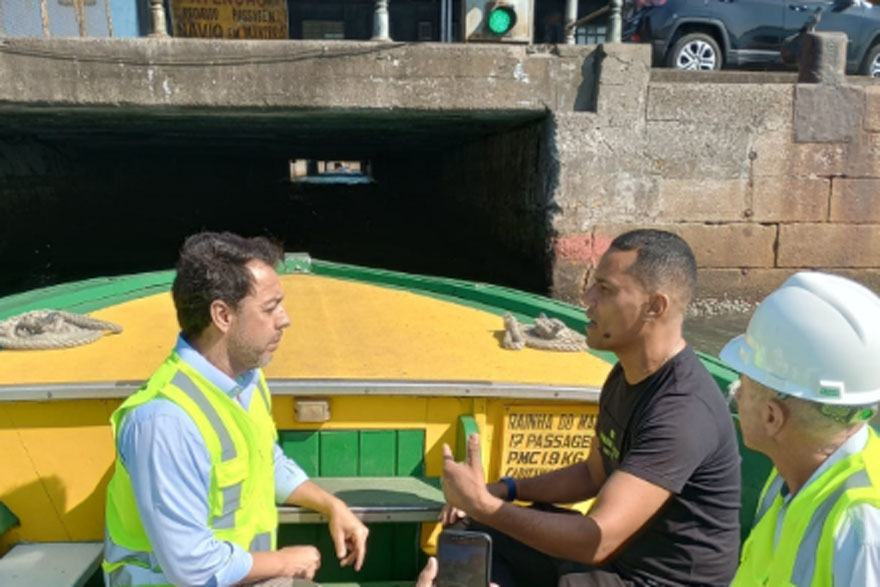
(609, 449)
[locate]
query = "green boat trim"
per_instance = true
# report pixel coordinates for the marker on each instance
(93, 294)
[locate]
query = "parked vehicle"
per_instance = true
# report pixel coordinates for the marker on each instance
(711, 34)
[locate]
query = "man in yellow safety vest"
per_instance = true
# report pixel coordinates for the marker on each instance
(192, 500)
(809, 384)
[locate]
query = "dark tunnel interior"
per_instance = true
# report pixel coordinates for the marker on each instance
(93, 193)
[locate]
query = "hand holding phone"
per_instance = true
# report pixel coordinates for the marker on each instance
(465, 559)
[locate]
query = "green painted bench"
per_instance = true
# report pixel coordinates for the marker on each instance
(376, 499)
(60, 564)
(380, 474)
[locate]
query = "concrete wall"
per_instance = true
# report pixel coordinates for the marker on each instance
(762, 179)
(539, 155)
(270, 77)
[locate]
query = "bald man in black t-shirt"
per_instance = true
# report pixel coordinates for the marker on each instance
(664, 466)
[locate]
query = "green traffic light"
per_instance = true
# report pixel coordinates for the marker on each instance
(501, 20)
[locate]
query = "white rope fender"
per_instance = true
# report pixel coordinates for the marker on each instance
(51, 329)
(546, 333)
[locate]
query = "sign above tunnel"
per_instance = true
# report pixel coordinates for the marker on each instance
(230, 19)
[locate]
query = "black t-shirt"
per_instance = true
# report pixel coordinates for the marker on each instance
(674, 430)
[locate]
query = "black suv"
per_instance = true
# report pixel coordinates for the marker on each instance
(709, 34)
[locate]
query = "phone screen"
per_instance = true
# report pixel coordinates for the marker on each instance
(464, 559)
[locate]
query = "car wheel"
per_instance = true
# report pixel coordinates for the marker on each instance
(696, 51)
(871, 65)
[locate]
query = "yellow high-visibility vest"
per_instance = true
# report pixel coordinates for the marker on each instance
(804, 554)
(241, 499)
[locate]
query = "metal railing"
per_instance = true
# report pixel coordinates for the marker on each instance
(615, 24)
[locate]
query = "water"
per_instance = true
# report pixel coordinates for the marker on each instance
(709, 333)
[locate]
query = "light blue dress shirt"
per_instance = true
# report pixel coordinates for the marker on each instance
(857, 540)
(170, 472)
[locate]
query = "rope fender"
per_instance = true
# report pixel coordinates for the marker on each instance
(549, 334)
(52, 329)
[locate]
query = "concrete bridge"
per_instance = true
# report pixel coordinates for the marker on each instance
(511, 163)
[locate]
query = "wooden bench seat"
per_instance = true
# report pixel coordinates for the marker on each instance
(60, 564)
(376, 499)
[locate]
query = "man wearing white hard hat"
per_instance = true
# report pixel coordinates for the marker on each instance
(810, 382)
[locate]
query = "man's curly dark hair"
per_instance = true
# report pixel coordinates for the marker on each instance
(212, 266)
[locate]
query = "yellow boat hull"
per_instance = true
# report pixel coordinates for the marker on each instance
(381, 358)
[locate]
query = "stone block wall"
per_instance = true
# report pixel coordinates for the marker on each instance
(762, 179)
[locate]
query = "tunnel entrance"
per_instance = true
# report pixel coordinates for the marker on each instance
(463, 194)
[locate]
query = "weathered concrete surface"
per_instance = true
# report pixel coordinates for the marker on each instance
(829, 245)
(548, 152)
(872, 108)
(738, 245)
(775, 154)
(822, 58)
(193, 73)
(855, 200)
(753, 284)
(828, 113)
(761, 178)
(790, 199)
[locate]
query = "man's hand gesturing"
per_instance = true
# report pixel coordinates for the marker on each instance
(464, 484)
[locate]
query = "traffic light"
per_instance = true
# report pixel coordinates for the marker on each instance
(501, 19)
(504, 21)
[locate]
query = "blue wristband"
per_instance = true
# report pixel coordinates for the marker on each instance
(511, 487)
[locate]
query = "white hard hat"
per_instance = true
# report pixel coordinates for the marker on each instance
(817, 337)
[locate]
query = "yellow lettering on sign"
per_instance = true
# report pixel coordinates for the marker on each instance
(540, 439)
(230, 19)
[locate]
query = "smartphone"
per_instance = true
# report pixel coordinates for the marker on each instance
(464, 558)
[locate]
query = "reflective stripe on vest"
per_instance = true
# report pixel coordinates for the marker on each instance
(186, 385)
(805, 563)
(772, 490)
(129, 574)
(802, 555)
(231, 495)
(128, 567)
(261, 542)
(249, 520)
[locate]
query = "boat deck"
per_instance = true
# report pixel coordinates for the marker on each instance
(341, 330)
